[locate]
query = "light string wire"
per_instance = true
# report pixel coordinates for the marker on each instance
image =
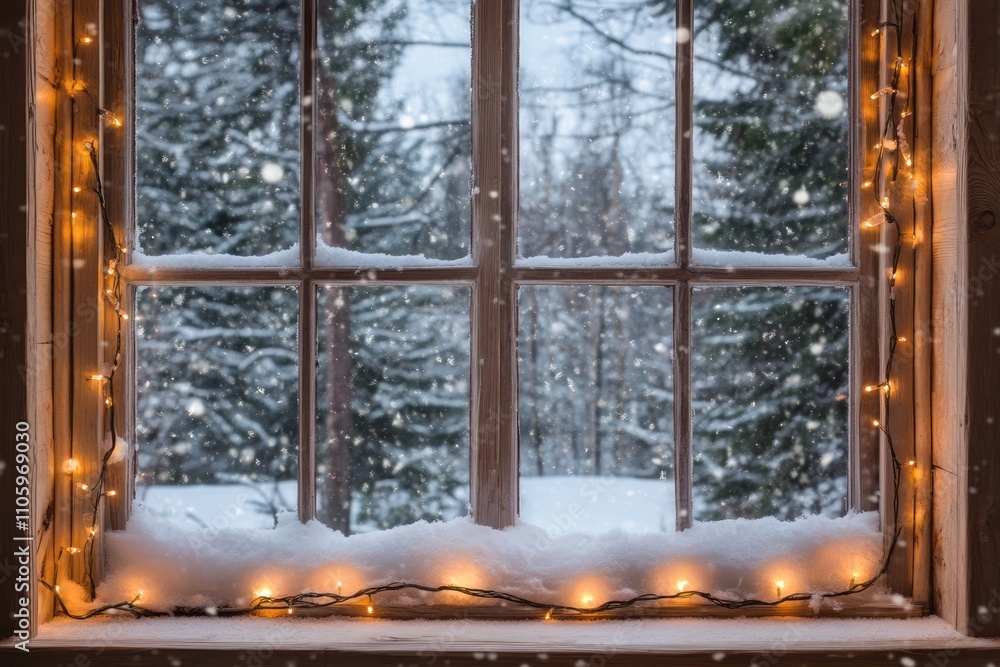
(892, 140)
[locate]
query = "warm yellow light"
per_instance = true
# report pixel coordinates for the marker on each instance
(371, 609)
(876, 32)
(73, 215)
(681, 584)
(289, 611)
(867, 184)
(875, 220)
(548, 614)
(76, 189)
(587, 599)
(87, 40)
(123, 315)
(107, 402)
(870, 387)
(885, 387)
(97, 378)
(911, 462)
(82, 486)
(93, 531)
(901, 339)
(263, 592)
(72, 550)
(71, 466)
(779, 584)
(885, 201)
(876, 423)
(112, 493)
(909, 162)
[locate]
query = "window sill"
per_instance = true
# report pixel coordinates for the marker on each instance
(628, 642)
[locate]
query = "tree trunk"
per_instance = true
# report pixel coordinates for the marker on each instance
(333, 459)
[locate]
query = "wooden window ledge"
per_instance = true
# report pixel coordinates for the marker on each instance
(260, 642)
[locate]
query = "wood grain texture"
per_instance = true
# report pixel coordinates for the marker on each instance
(866, 444)
(13, 285)
(117, 164)
(512, 653)
(922, 286)
(41, 168)
(983, 268)
(898, 408)
(948, 312)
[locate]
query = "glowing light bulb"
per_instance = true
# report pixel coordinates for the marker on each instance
(72, 551)
(87, 40)
(58, 590)
(97, 378)
(854, 578)
(340, 586)
(587, 599)
(911, 462)
(548, 614)
(76, 189)
(71, 466)
(887, 90)
(73, 215)
(876, 32)
(680, 585)
(901, 339)
(867, 184)
(82, 486)
(107, 402)
(289, 611)
(122, 314)
(371, 609)
(885, 201)
(93, 531)
(779, 584)
(875, 220)
(871, 387)
(263, 592)
(112, 493)
(876, 423)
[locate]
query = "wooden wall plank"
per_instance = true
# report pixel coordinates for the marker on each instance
(13, 290)
(982, 270)
(947, 335)
(41, 167)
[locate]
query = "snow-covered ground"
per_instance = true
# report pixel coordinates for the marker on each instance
(557, 503)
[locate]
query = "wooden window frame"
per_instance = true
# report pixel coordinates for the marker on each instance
(961, 431)
(494, 277)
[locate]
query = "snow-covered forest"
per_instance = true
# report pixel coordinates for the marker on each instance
(218, 172)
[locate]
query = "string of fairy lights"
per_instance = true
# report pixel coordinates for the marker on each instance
(892, 152)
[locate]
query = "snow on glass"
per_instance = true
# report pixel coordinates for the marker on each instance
(217, 127)
(771, 127)
(596, 406)
(393, 120)
(596, 128)
(216, 377)
(392, 406)
(770, 403)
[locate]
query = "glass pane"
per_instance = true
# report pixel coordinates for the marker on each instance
(217, 403)
(596, 128)
(770, 380)
(771, 129)
(394, 149)
(393, 406)
(217, 126)
(596, 408)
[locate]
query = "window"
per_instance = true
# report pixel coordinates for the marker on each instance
(327, 199)
(327, 312)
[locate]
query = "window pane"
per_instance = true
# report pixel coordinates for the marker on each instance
(596, 128)
(770, 381)
(394, 147)
(771, 128)
(217, 403)
(393, 406)
(217, 126)
(596, 408)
